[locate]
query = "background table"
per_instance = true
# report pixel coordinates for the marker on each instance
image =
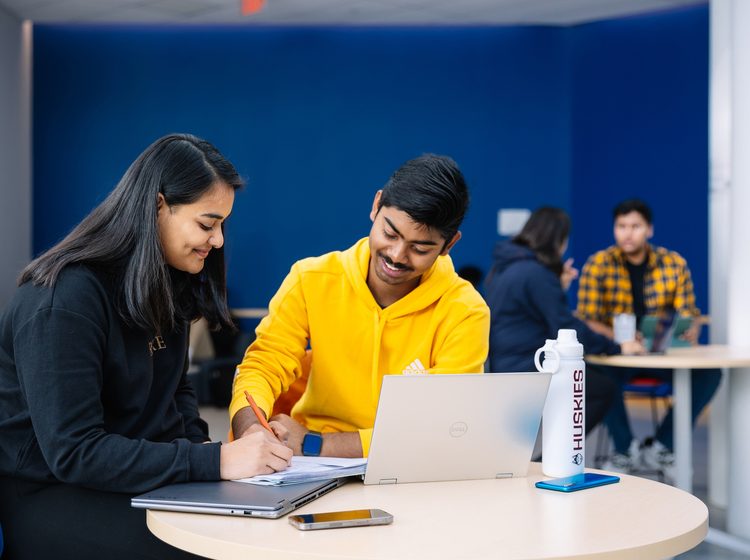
(635, 518)
(249, 312)
(682, 360)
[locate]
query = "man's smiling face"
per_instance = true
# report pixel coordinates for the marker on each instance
(401, 250)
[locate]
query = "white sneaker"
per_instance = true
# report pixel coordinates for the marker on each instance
(625, 462)
(656, 456)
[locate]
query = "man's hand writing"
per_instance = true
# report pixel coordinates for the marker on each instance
(294, 431)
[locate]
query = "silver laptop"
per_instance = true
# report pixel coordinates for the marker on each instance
(455, 427)
(234, 498)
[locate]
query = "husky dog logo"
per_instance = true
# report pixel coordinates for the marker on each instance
(577, 458)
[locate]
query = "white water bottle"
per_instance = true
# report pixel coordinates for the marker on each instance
(564, 418)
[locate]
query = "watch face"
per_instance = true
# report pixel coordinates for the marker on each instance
(312, 443)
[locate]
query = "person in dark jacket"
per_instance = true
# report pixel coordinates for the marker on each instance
(525, 290)
(95, 404)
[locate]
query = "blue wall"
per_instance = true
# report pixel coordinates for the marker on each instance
(316, 119)
(640, 129)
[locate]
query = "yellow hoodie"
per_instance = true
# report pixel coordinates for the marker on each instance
(442, 326)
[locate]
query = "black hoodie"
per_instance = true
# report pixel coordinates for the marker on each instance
(87, 400)
(528, 305)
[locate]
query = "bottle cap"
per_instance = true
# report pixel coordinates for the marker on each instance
(567, 344)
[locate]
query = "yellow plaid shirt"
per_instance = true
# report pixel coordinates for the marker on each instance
(604, 288)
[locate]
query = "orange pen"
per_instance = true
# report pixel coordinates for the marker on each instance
(259, 414)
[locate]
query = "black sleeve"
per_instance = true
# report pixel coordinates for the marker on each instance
(550, 303)
(59, 358)
(196, 428)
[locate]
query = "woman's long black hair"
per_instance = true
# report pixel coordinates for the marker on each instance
(121, 236)
(544, 233)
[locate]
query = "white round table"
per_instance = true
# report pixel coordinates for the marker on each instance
(478, 519)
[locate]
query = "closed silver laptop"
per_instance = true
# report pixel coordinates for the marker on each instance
(455, 427)
(234, 498)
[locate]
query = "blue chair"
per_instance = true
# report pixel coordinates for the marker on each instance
(653, 388)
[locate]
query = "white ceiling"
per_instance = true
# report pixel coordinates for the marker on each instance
(338, 12)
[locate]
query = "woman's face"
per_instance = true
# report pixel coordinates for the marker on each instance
(188, 232)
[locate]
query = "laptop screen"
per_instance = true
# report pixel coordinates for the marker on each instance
(455, 427)
(663, 331)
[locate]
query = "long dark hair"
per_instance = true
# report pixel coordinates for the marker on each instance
(121, 236)
(544, 233)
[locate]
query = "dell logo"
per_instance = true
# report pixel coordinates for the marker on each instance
(458, 429)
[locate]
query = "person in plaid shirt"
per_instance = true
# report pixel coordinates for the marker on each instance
(636, 277)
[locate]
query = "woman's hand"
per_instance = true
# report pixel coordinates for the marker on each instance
(568, 275)
(256, 452)
(631, 347)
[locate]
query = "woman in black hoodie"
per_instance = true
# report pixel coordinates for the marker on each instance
(95, 401)
(525, 290)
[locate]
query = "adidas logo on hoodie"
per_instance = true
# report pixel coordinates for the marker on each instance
(415, 368)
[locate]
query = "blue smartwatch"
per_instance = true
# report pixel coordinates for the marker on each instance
(312, 444)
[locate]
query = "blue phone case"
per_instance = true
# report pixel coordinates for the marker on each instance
(577, 482)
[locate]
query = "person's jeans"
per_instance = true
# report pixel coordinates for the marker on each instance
(703, 382)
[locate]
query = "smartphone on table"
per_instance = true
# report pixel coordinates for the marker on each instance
(577, 482)
(336, 519)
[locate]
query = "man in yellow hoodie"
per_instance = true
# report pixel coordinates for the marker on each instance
(391, 304)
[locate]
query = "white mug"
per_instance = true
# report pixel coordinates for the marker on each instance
(624, 326)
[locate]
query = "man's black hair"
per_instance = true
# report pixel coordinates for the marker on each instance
(633, 205)
(432, 190)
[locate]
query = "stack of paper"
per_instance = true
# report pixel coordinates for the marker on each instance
(311, 469)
